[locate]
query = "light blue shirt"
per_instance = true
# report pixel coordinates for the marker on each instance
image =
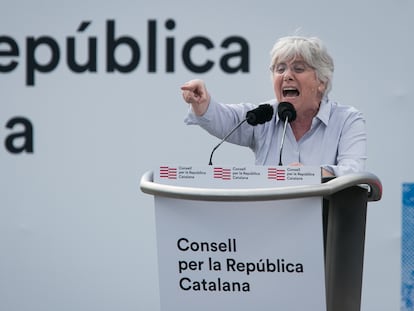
(336, 140)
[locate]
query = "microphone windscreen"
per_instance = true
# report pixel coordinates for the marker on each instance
(285, 110)
(260, 115)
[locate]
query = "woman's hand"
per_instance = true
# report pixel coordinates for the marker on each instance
(195, 93)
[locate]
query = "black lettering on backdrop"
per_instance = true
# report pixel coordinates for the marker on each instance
(112, 43)
(21, 140)
(91, 63)
(81, 58)
(242, 54)
(234, 57)
(188, 46)
(32, 64)
(12, 51)
(170, 47)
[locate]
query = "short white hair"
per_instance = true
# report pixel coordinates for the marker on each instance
(313, 52)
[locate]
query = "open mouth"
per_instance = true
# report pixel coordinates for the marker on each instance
(290, 92)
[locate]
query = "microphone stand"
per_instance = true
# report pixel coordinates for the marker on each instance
(283, 140)
(224, 139)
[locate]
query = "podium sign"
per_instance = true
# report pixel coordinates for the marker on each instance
(233, 255)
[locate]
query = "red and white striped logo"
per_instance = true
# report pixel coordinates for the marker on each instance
(276, 173)
(168, 172)
(222, 173)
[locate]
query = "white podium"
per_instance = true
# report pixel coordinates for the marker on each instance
(262, 238)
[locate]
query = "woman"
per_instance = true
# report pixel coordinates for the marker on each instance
(324, 133)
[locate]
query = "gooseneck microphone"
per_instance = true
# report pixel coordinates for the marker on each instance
(287, 114)
(259, 115)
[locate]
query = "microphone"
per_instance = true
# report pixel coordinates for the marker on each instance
(259, 115)
(287, 114)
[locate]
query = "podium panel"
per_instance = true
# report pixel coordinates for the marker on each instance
(259, 238)
(239, 255)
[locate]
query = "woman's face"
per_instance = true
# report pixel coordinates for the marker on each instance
(296, 82)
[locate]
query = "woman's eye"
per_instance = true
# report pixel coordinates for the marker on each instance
(280, 69)
(299, 69)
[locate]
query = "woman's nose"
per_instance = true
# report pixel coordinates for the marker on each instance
(287, 76)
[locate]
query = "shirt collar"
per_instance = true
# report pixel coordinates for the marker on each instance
(324, 111)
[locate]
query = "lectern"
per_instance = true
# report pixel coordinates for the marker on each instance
(343, 206)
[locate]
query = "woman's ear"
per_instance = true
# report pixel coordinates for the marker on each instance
(321, 87)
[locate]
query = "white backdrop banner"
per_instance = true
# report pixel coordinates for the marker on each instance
(90, 100)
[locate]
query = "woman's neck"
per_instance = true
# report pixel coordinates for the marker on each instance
(302, 124)
(300, 127)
